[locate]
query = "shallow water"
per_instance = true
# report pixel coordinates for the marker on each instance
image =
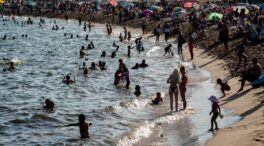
(118, 117)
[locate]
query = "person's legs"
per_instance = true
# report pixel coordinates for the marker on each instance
(182, 92)
(171, 99)
(213, 121)
(176, 92)
(191, 52)
(239, 62)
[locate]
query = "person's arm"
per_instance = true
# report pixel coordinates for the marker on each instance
(75, 124)
(168, 81)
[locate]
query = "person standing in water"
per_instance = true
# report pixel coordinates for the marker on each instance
(84, 127)
(182, 86)
(216, 111)
(173, 80)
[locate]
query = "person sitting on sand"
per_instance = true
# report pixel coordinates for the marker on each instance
(251, 74)
(158, 99)
(49, 105)
(137, 90)
(136, 66)
(85, 68)
(143, 64)
(103, 54)
(120, 37)
(67, 80)
(93, 66)
(168, 50)
(216, 111)
(224, 86)
(84, 127)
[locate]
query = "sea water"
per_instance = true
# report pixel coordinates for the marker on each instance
(119, 118)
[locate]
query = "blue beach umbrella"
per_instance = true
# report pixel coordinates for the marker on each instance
(177, 11)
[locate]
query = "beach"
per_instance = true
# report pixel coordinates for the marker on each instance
(121, 118)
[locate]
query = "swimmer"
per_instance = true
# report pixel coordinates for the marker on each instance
(84, 127)
(137, 90)
(114, 45)
(93, 66)
(11, 68)
(4, 38)
(92, 45)
(85, 68)
(71, 35)
(103, 54)
(67, 79)
(120, 37)
(117, 48)
(129, 36)
(128, 51)
(86, 37)
(65, 34)
(126, 75)
(77, 36)
(48, 105)
(136, 66)
(89, 47)
(113, 54)
(102, 67)
(158, 99)
(122, 65)
(143, 64)
(82, 53)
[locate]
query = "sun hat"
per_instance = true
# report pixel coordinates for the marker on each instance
(213, 99)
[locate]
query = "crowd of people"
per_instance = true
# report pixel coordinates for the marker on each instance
(250, 30)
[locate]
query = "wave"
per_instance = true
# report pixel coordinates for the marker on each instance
(145, 128)
(133, 103)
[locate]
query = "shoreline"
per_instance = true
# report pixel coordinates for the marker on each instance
(248, 104)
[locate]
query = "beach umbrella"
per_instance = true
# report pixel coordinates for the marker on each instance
(196, 6)
(215, 15)
(154, 7)
(254, 7)
(229, 10)
(113, 2)
(178, 10)
(239, 8)
(188, 5)
(147, 12)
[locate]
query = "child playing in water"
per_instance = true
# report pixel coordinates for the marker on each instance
(216, 112)
(224, 86)
(67, 79)
(84, 127)
(137, 90)
(158, 99)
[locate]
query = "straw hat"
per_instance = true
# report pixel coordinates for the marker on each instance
(213, 99)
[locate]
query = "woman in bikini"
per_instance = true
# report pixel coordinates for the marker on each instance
(173, 80)
(182, 86)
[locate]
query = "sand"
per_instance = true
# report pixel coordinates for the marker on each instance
(248, 104)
